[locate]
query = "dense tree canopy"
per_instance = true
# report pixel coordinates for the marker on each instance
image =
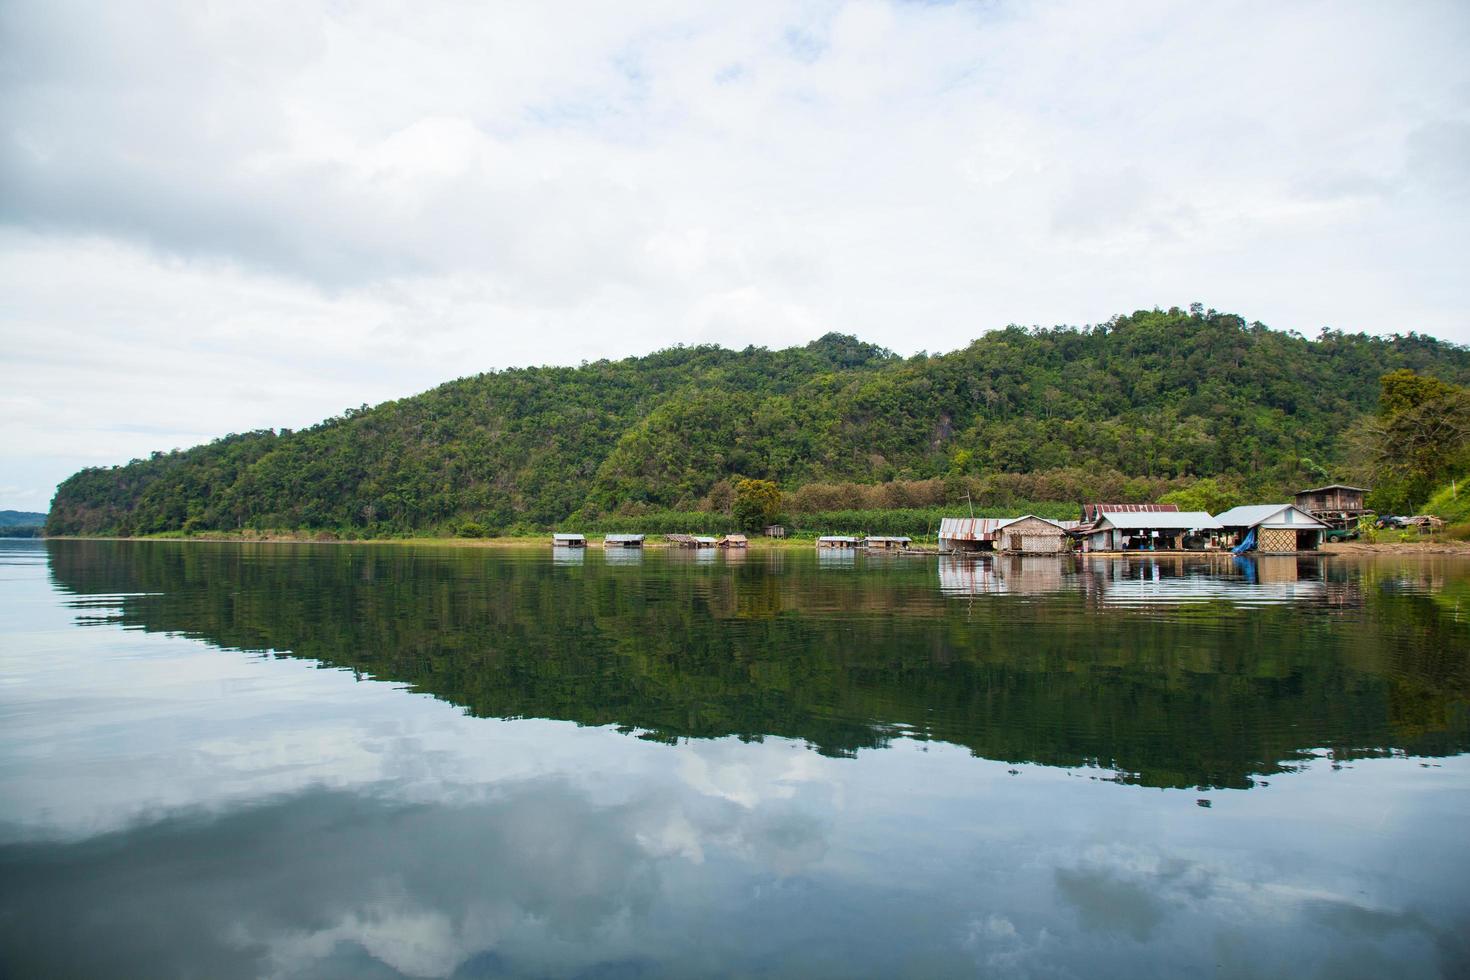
(1418, 440)
(1158, 395)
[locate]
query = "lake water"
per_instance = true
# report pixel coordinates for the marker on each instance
(375, 761)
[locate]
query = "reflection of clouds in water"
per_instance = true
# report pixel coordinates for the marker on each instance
(1002, 951)
(1144, 897)
(748, 774)
(419, 888)
(330, 882)
(540, 876)
(1129, 891)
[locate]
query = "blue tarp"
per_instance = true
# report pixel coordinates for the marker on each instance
(1247, 545)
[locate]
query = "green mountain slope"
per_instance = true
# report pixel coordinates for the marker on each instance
(1157, 394)
(21, 518)
(1452, 502)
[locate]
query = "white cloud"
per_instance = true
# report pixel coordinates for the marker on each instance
(222, 218)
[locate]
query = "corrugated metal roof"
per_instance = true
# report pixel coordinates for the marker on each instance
(970, 528)
(623, 538)
(1180, 520)
(1268, 515)
(1091, 512)
(1333, 486)
(569, 537)
(836, 537)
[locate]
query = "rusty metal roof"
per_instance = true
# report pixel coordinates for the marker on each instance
(971, 528)
(1091, 512)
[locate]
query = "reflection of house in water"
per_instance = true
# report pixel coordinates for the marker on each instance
(1002, 575)
(622, 556)
(568, 556)
(1170, 581)
(836, 558)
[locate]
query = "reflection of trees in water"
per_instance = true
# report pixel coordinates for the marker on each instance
(1174, 671)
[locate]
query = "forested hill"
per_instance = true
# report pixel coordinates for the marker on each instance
(1155, 394)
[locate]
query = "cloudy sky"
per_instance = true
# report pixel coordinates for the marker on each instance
(221, 217)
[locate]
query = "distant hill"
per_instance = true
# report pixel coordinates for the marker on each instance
(21, 518)
(1158, 394)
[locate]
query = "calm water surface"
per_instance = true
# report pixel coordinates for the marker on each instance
(340, 761)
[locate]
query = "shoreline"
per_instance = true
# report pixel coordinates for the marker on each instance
(1438, 548)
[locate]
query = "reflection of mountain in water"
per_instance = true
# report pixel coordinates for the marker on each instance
(1152, 668)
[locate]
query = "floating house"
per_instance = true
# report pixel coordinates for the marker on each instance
(1273, 528)
(968, 533)
(734, 541)
(887, 543)
(838, 541)
(704, 541)
(1146, 530)
(623, 541)
(775, 530)
(1030, 535)
(568, 541)
(1336, 505)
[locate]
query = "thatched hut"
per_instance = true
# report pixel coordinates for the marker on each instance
(1031, 535)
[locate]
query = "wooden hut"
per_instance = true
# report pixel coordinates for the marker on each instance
(1336, 506)
(1145, 530)
(888, 543)
(623, 541)
(1031, 535)
(734, 541)
(838, 542)
(680, 540)
(568, 541)
(1279, 528)
(775, 530)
